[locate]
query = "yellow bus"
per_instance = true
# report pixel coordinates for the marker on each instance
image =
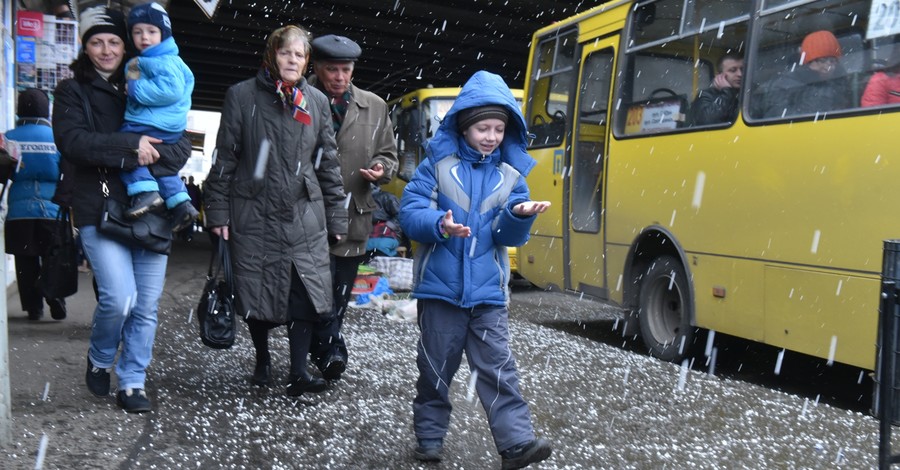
(767, 225)
(416, 117)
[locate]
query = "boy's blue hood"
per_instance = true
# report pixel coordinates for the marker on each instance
(485, 88)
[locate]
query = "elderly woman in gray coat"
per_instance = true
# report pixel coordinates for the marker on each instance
(275, 194)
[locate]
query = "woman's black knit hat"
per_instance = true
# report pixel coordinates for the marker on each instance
(100, 19)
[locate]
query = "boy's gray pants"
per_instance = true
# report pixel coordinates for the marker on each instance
(483, 333)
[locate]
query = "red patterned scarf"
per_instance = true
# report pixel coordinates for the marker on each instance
(293, 98)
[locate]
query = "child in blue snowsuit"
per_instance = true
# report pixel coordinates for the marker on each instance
(466, 203)
(159, 97)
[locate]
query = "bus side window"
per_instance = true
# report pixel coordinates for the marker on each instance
(551, 89)
(788, 80)
(655, 93)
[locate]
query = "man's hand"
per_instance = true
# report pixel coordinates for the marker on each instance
(720, 82)
(528, 208)
(373, 174)
(147, 154)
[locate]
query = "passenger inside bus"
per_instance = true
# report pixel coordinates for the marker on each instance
(884, 86)
(719, 102)
(818, 85)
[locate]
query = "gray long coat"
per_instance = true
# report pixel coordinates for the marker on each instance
(279, 221)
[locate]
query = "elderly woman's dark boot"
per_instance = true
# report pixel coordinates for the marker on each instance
(262, 371)
(259, 333)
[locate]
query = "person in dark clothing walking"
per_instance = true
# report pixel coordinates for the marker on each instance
(367, 152)
(278, 208)
(31, 219)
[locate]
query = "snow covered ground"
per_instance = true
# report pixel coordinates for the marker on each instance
(601, 405)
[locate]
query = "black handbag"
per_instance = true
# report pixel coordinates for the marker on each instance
(59, 267)
(215, 312)
(151, 231)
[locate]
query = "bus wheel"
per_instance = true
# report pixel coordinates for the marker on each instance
(664, 312)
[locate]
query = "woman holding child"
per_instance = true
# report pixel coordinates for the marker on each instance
(88, 112)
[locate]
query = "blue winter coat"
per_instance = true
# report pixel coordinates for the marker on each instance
(475, 270)
(34, 181)
(159, 88)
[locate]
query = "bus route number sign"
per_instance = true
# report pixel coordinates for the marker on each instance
(884, 19)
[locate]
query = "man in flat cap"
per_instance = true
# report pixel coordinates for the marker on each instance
(368, 154)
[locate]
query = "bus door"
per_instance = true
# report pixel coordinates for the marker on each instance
(584, 240)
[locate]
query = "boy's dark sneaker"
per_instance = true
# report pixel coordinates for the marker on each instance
(526, 454)
(35, 315)
(133, 400)
(429, 450)
(183, 215)
(97, 379)
(141, 203)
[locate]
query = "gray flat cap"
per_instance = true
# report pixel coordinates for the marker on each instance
(337, 48)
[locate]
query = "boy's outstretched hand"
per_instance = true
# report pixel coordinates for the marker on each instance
(528, 208)
(454, 229)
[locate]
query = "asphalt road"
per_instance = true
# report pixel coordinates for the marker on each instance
(595, 395)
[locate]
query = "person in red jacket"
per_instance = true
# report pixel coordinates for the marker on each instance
(884, 87)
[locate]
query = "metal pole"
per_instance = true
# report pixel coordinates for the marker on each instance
(885, 366)
(886, 379)
(5, 399)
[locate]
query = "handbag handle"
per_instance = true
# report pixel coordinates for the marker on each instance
(66, 224)
(222, 259)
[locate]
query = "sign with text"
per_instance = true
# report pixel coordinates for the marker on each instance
(25, 50)
(884, 19)
(30, 23)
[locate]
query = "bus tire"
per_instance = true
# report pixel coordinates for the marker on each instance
(665, 310)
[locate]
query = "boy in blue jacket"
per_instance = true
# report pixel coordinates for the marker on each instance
(466, 203)
(159, 97)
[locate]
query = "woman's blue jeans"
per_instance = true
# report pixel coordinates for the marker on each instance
(130, 281)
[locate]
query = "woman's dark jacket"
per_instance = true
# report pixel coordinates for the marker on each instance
(85, 152)
(279, 211)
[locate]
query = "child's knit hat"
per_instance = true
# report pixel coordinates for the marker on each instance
(151, 13)
(469, 116)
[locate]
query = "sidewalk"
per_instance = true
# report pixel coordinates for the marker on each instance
(48, 358)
